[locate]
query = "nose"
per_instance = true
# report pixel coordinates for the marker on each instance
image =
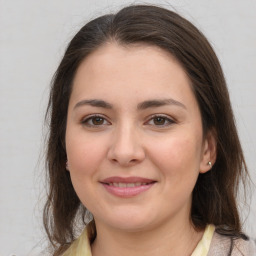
(126, 147)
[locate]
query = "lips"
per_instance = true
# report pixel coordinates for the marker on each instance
(127, 186)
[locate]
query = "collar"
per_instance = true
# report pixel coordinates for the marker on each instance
(81, 246)
(203, 246)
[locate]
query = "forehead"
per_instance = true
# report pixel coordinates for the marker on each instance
(134, 71)
(128, 58)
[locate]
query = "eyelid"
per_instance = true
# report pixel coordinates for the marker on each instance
(170, 120)
(90, 117)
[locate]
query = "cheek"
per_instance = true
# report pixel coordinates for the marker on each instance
(85, 153)
(85, 156)
(177, 155)
(177, 160)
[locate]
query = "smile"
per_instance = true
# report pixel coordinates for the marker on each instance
(127, 187)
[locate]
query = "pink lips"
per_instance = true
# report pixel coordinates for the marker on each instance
(127, 187)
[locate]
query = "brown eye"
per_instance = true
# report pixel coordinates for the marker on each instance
(94, 121)
(97, 120)
(159, 120)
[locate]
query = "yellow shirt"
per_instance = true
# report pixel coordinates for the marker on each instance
(203, 246)
(81, 247)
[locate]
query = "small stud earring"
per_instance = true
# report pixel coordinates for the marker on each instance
(210, 164)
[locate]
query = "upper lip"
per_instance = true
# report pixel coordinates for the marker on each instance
(116, 179)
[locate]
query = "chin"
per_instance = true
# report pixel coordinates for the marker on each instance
(132, 222)
(131, 226)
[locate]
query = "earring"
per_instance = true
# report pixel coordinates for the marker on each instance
(67, 168)
(210, 164)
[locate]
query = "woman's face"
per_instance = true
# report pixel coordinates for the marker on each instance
(134, 137)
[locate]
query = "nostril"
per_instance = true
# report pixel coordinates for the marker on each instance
(125, 153)
(124, 162)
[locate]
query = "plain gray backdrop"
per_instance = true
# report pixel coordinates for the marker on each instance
(33, 37)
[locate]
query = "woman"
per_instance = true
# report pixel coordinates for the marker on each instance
(142, 135)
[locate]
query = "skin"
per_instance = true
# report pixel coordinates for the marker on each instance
(126, 141)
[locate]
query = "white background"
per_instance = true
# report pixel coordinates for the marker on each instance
(33, 36)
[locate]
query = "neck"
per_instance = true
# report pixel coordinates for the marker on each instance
(165, 239)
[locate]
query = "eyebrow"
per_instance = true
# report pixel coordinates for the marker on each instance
(141, 106)
(159, 103)
(94, 103)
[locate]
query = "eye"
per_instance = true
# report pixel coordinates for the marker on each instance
(95, 120)
(159, 120)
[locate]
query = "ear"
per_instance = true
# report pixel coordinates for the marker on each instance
(209, 152)
(67, 167)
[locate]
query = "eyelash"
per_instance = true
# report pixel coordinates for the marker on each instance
(152, 118)
(90, 118)
(165, 118)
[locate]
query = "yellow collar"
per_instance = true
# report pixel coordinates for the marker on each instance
(203, 246)
(82, 245)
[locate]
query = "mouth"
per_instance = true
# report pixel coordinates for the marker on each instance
(127, 187)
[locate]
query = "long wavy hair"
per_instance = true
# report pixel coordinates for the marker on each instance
(214, 198)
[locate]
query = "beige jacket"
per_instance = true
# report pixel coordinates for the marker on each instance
(220, 246)
(217, 245)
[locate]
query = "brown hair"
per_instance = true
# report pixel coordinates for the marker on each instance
(215, 193)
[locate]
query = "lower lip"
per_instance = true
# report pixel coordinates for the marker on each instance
(127, 191)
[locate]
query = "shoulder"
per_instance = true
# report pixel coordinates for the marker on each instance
(81, 246)
(223, 246)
